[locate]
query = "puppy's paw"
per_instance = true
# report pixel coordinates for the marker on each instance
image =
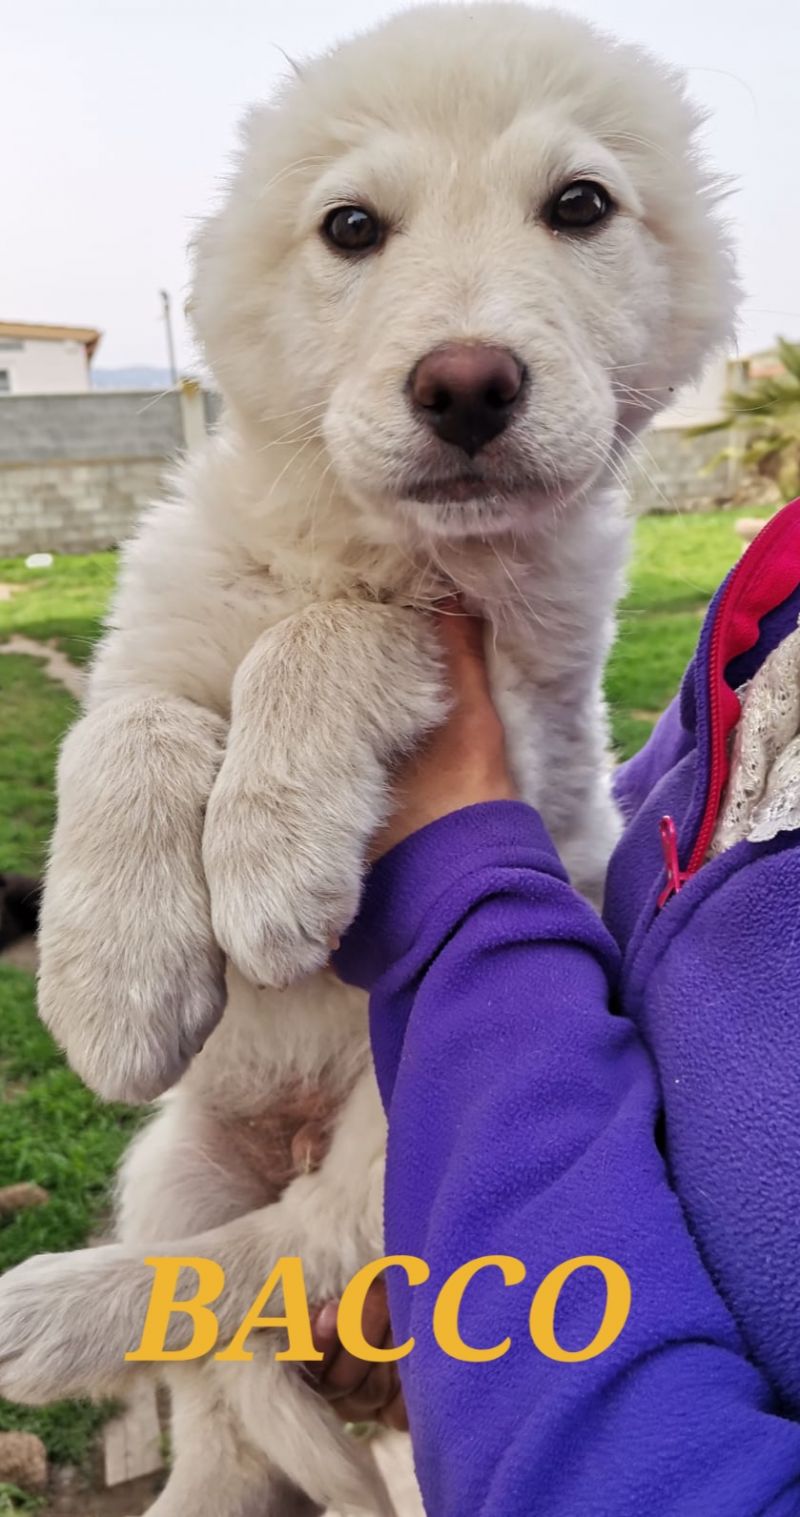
(131, 1011)
(64, 1324)
(284, 881)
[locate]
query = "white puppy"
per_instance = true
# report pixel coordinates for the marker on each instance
(460, 262)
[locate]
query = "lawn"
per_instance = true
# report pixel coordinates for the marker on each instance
(678, 563)
(51, 1130)
(65, 603)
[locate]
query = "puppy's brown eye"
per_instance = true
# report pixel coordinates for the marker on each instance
(580, 205)
(351, 229)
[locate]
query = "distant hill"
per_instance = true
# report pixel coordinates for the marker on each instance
(137, 377)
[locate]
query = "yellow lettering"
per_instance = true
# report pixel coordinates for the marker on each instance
(288, 1273)
(448, 1304)
(351, 1308)
(162, 1305)
(615, 1315)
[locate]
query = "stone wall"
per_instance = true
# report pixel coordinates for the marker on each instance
(672, 471)
(117, 424)
(73, 507)
(76, 471)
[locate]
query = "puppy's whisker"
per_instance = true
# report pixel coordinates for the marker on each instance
(653, 147)
(522, 598)
(293, 459)
(633, 456)
(270, 416)
(313, 505)
(290, 169)
(645, 396)
(299, 433)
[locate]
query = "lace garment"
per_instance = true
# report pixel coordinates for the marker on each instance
(763, 792)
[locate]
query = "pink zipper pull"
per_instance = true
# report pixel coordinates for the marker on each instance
(669, 844)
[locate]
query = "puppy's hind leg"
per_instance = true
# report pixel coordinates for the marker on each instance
(178, 1174)
(216, 1472)
(302, 1435)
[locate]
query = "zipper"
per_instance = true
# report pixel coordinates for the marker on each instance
(719, 737)
(669, 845)
(718, 692)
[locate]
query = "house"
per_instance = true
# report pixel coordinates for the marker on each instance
(45, 360)
(704, 402)
(763, 365)
(699, 403)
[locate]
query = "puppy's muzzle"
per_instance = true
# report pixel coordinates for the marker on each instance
(467, 393)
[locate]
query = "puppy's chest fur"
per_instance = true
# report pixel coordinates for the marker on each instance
(191, 606)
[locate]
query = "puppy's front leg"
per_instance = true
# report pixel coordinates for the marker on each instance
(131, 980)
(320, 704)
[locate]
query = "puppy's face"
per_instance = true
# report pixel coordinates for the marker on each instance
(471, 253)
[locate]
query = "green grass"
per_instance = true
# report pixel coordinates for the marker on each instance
(52, 1130)
(64, 604)
(678, 564)
(35, 714)
(680, 560)
(13, 1501)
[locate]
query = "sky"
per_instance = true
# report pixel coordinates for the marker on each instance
(117, 118)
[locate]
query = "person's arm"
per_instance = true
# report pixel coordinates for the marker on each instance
(522, 1122)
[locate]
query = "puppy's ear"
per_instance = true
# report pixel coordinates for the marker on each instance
(237, 253)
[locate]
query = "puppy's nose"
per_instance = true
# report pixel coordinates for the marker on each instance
(467, 392)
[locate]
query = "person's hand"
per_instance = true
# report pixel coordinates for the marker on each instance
(464, 761)
(461, 764)
(358, 1391)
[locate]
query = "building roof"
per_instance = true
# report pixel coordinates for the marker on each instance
(758, 353)
(37, 332)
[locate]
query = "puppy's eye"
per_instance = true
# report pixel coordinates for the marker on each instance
(351, 229)
(580, 205)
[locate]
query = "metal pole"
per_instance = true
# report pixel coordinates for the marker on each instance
(173, 367)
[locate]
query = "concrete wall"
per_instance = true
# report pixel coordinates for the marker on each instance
(674, 472)
(76, 471)
(44, 367)
(671, 471)
(699, 403)
(73, 507)
(115, 424)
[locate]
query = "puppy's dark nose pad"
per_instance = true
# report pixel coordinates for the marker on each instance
(467, 393)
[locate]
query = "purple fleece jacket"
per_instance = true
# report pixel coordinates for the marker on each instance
(526, 1119)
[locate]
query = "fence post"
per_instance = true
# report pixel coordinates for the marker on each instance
(193, 414)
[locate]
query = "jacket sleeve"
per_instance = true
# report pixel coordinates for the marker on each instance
(522, 1121)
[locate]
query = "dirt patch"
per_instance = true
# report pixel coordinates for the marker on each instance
(6, 591)
(645, 716)
(21, 955)
(56, 664)
(72, 1495)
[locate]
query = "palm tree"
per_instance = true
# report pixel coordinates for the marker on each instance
(766, 418)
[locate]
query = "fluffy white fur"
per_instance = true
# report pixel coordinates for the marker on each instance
(265, 659)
